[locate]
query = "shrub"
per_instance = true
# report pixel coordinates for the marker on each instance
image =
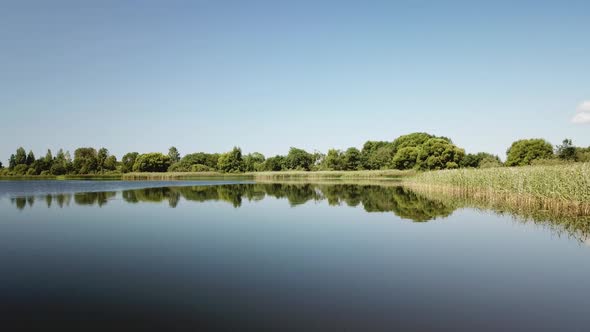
(523, 152)
(151, 162)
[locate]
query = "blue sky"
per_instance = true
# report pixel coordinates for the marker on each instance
(267, 75)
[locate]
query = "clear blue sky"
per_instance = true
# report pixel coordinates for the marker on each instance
(267, 75)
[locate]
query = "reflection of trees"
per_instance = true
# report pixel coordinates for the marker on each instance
(401, 202)
(373, 198)
(99, 198)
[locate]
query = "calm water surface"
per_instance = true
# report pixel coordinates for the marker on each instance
(246, 256)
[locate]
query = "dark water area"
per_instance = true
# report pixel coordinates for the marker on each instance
(237, 256)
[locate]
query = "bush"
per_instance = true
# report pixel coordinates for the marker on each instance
(231, 162)
(439, 153)
(151, 162)
(523, 152)
(406, 158)
(20, 169)
(202, 168)
(299, 159)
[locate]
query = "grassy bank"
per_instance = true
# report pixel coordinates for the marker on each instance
(561, 183)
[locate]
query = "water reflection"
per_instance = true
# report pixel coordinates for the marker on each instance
(411, 204)
(373, 198)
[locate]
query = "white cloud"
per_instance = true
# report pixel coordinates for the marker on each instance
(582, 113)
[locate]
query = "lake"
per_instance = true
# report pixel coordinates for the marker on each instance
(210, 255)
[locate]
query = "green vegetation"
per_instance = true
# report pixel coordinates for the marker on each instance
(568, 182)
(151, 162)
(415, 151)
(523, 152)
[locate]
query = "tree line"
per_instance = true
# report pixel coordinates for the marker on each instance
(420, 151)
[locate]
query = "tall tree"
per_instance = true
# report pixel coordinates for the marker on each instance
(12, 161)
(30, 158)
(101, 158)
(21, 156)
(231, 162)
(128, 161)
(173, 154)
(566, 151)
(85, 161)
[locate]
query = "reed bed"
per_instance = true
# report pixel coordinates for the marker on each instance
(560, 216)
(561, 183)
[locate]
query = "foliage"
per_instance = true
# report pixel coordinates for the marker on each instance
(128, 161)
(406, 157)
(185, 164)
(274, 164)
(231, 162)
(20, 157)
(480, 160)
(30, 158)
(566, 151)
(254, 162)
(85, 161)
(151, 162)
(439, 153)
(173, 154)
(202, 168)
(352, 159)
(299, 159)
(376, 154)
(523, 152)
(411, 140)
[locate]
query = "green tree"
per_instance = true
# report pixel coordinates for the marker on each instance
(110, 164)
(476, 160)
(412, 140)
(489, 161)
(406, 157)
(101, 158)
(352, 159)
(334, 160)
(274, 164)
(151, 162)
(439, 153)
(523, 152)
(85, 161)
(30, 158)
(566, 151)
(128, 161)
(253, 161)
(369, 157)
(299, 159)
(231, 162)
(173, 154)
(12, 161)
(60, 164)
(20, 157)
(382, 157)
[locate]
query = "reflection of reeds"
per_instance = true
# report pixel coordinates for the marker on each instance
(559, 215)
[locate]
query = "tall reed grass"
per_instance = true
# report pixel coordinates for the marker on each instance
(569, 182)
